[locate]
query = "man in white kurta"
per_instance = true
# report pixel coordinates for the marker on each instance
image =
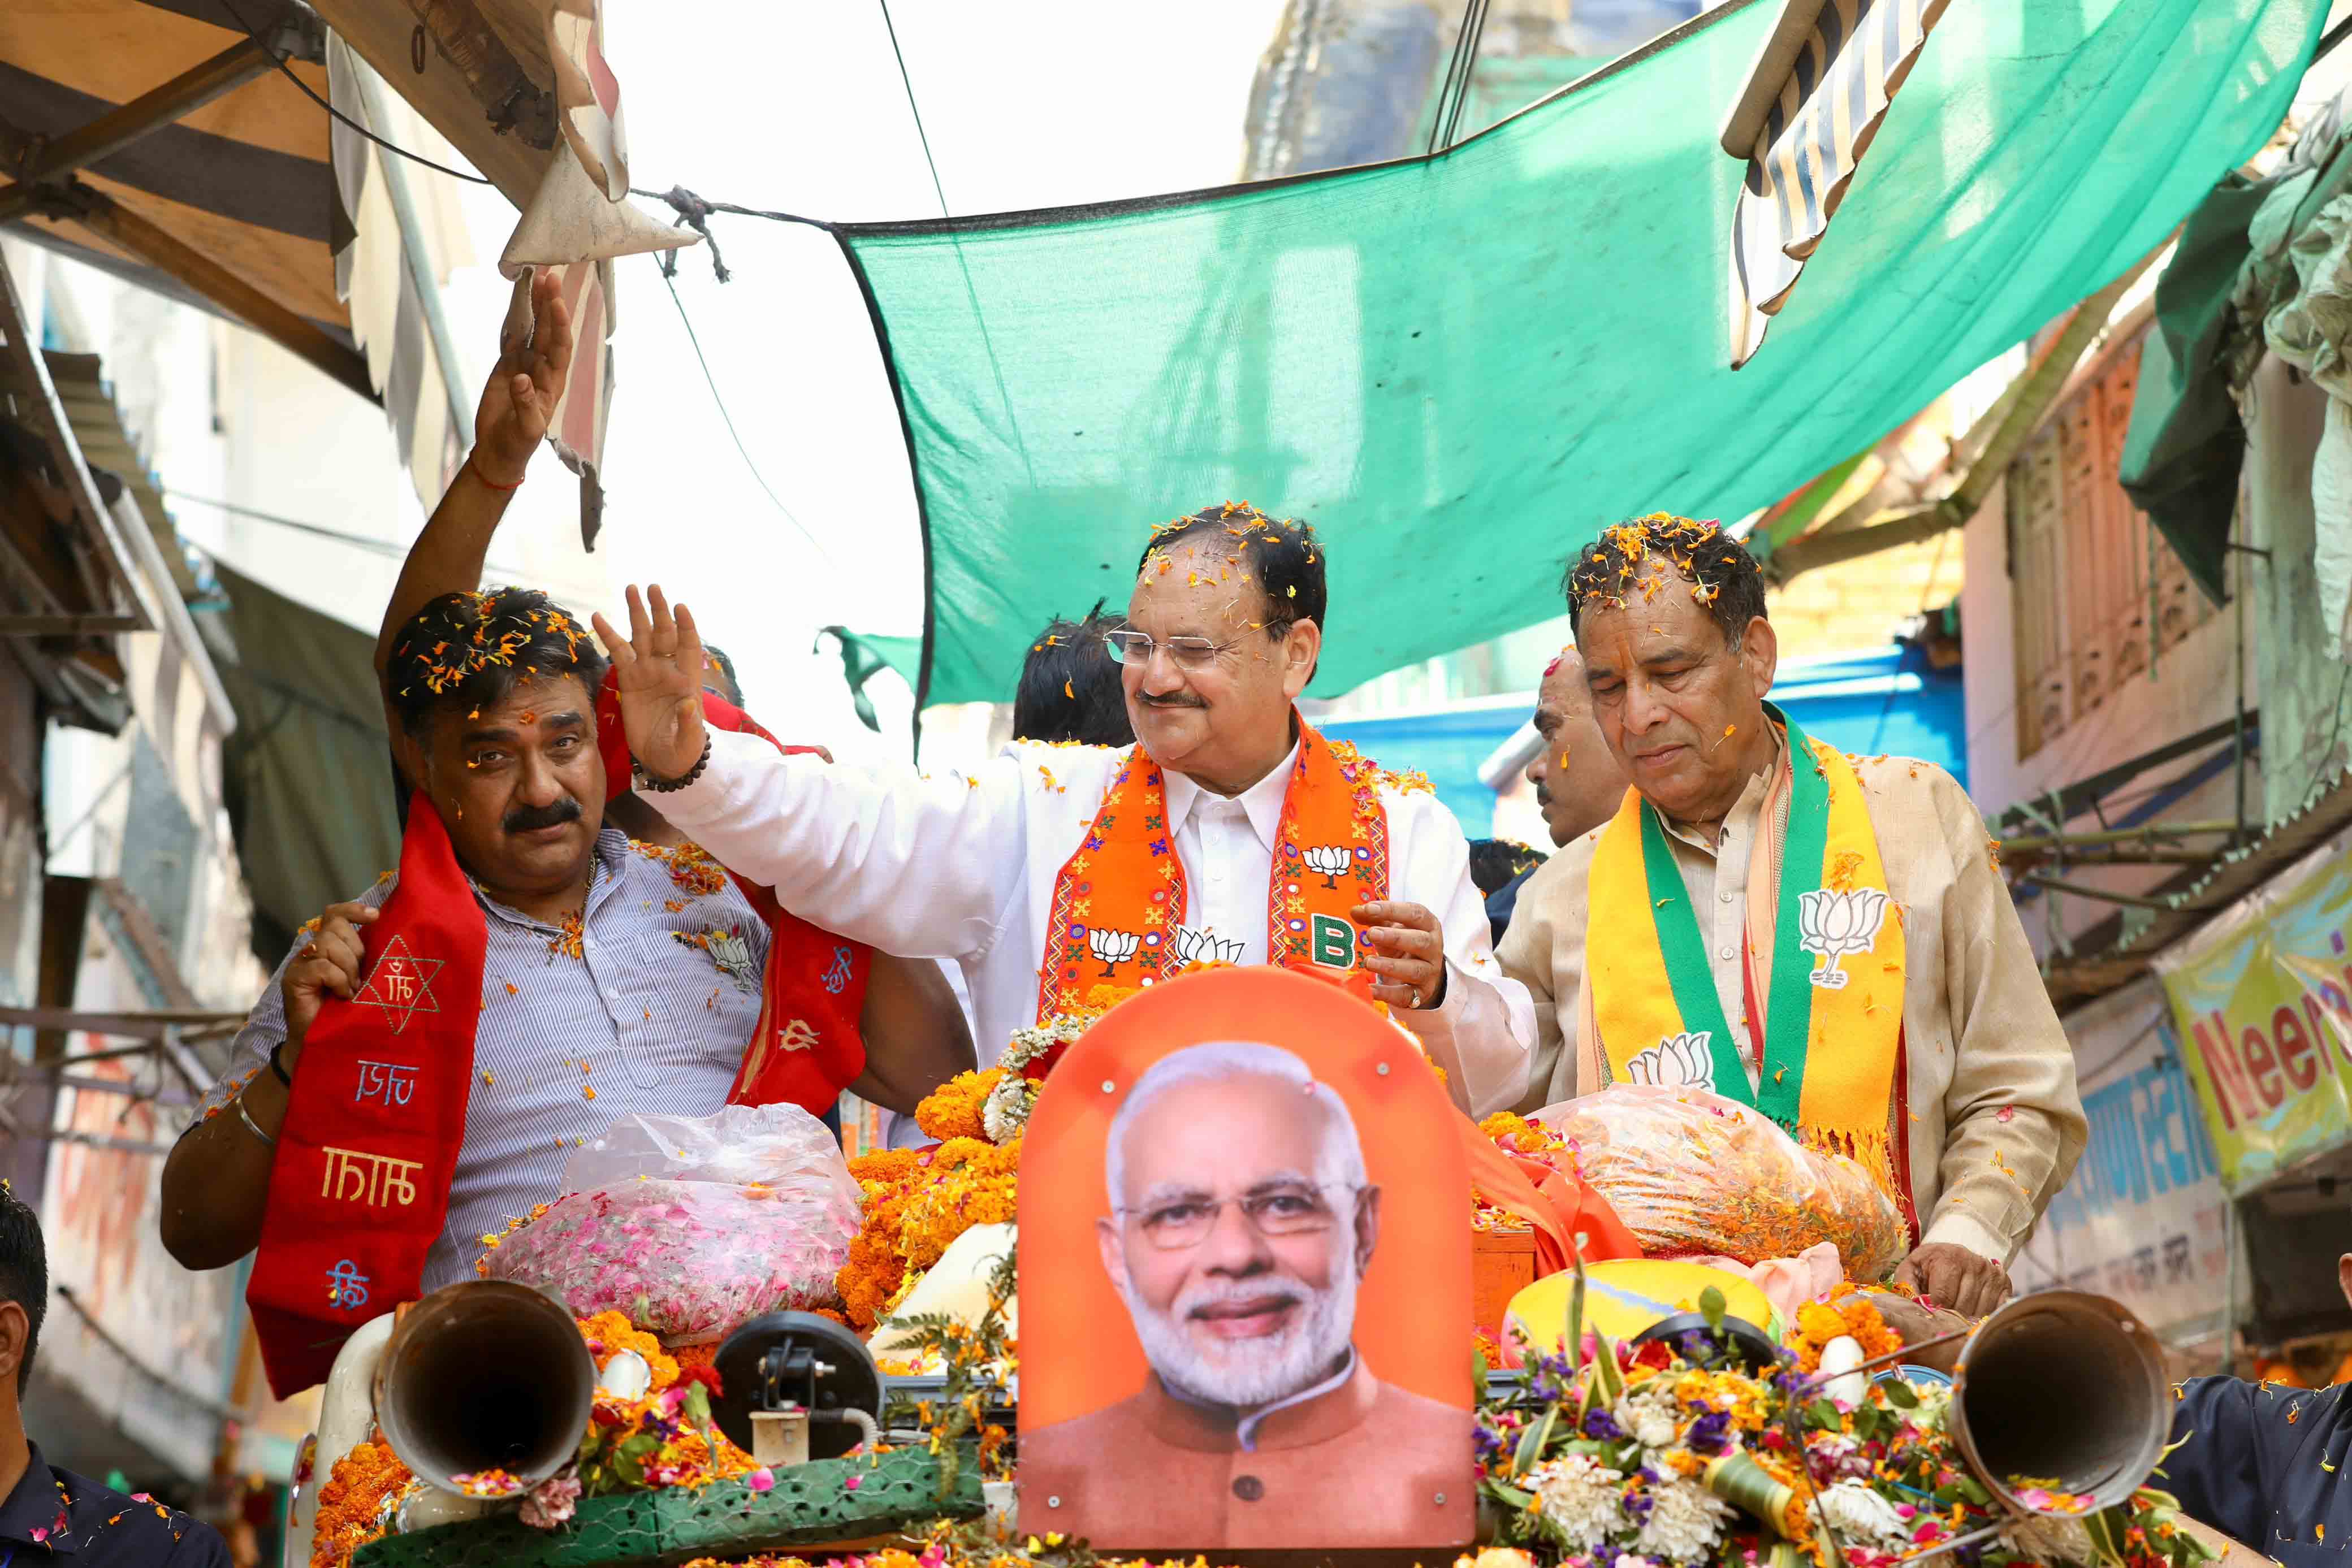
(1222, 635)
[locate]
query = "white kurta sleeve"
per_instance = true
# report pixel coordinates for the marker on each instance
(921, 866)
(1484, 1034)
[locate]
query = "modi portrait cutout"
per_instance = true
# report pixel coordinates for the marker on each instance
(1245, 1278)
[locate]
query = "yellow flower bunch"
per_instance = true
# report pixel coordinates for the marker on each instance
(915, 1206)
(953, 1110)
(609, 1334)
(1845, 1313)
(1518, 1134)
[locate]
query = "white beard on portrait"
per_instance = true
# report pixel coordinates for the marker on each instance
(1249, 1373)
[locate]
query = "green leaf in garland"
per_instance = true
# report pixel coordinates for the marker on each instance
(2106, 1529)
(1532, 1442)
(1899, 1394)
(1510, 1496)
(1710, 1306)
(1607, 1374)
(1576, 1318)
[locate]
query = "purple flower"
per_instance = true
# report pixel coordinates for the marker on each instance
(1710, 1433)
(1599, 1423)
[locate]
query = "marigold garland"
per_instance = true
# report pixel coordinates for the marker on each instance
(953, 1110)
(353, 1505)
(916, 1205)
(609, 1334)
(1847, 1313)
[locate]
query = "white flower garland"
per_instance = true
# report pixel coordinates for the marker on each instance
(1005, 1113)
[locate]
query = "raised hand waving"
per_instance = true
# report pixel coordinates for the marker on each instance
(658, 670)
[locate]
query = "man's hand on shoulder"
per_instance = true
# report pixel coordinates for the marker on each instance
(1954, 1277)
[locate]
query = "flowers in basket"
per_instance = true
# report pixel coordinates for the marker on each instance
(1619, 1455)
(915, 1203)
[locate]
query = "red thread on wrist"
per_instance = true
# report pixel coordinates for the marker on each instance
(491, 483)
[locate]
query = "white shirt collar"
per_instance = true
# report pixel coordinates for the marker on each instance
(1262, 802)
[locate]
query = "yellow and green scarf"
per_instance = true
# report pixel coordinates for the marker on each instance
(1833, 1005)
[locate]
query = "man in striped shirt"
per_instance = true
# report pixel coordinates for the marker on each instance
(619, 975)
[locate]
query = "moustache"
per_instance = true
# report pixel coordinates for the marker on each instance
(1543, 796)
(1273, 1294)
(1150, 701)
(530, 819)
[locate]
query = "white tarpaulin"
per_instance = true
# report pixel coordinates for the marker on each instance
(2309, 329)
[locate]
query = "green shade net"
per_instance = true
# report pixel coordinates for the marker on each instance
(1461, 368)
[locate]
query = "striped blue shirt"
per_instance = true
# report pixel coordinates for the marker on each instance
(646, 1021)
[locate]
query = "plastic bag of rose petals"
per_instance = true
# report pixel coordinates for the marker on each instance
(691, 1225)
(1693, 1173)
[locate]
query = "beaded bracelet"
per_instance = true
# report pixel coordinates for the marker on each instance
(663, 786)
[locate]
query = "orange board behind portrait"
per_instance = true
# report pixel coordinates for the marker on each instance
(1270, 1314)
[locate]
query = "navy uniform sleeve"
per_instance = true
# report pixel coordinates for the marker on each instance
(2217, 1471)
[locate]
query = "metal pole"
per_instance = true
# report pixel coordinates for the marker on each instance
(2238, 722)
(420, 259)
(2229, 1282)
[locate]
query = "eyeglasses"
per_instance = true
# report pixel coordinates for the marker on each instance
(1276, 1212)
(1136, 648)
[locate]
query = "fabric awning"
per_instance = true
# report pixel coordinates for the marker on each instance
(160, 141)
(241, 181)
(107, 447)
(1461, 367)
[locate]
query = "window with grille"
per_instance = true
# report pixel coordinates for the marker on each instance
(2096, 594)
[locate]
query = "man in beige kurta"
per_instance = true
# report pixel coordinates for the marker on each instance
(1987, 1104)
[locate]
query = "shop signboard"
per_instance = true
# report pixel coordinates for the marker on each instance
(2262, 1001)
(2143, 1218)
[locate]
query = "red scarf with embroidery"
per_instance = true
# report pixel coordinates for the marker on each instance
(359, 1186)
(1118, 915)
(807, 1049)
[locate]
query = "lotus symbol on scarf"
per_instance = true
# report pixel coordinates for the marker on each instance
(1112, 948)
(1203, 947)
(1834, 924)
(1677, 1061)
(1330, 861)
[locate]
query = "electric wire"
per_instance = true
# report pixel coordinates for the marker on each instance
(908, 82)
(720, 400)
(280, 61)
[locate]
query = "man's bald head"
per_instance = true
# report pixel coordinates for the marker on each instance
(1578, 782)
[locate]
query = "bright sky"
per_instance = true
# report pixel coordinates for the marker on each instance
(800, 108)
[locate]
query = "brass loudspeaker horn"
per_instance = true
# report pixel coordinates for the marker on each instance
(2063, 1389)
(485, 1374)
